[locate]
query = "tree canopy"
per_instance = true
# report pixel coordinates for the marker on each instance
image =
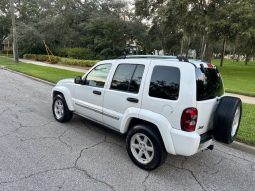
(103, 27)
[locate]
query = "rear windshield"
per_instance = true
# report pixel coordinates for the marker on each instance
(209, 84)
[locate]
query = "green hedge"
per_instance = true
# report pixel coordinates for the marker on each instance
(42, 58)
(5, 51)
(56, 59)
(76, 62)
(76, 53)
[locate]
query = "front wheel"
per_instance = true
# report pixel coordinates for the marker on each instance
(145, 147)
(60, 109)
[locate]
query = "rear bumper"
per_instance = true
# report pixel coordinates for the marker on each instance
(189, 143)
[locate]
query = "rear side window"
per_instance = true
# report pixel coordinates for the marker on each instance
(209, 84)
(165, 83)
(128, 78)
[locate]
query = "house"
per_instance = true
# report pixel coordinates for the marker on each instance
(133, 48)
(7, 44)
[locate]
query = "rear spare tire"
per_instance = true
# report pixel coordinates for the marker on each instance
(227, 119)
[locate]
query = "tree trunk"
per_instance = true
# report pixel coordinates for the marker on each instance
(238, 57)
(223, 52)
(246, 59)
(208, 53)
(187, 50)
(204, 51)
(14, 32)
(202, 47)
(181, 46)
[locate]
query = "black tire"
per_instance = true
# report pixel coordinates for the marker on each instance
(224, 119)
(67, 115)
(159, 149)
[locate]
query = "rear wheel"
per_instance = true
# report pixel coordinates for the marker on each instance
(60, 109)
(145, 147)
(227, 119)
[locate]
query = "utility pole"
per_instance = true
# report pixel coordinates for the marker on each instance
(14, 32)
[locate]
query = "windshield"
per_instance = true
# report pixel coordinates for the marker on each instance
(209, 84)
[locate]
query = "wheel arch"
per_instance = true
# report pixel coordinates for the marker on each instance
(161, 127)
(66, 94)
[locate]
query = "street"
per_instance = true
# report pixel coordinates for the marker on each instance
(38, 153)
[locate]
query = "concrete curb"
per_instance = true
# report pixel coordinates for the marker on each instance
(28, 76)
(243, 147)
(236, 145)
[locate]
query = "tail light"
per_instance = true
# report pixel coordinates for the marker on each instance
(189, 119)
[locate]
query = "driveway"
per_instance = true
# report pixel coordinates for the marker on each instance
(37, 153)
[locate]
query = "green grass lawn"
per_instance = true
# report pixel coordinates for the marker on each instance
(42, 72)
(246, 132)
(238, 77)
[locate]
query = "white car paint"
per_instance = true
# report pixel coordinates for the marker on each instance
(112, 109)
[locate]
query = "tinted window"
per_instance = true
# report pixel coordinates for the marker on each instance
(127, 78)
(209, 84)
(165, 83)
(136, 79)
(98, 75)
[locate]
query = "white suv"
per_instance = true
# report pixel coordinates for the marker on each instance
(163, 104)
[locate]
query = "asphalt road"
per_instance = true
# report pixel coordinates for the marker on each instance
(37, 153)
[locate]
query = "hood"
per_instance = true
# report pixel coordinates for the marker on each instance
(66, 81)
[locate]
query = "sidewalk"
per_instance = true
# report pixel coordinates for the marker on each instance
(245, 99)
(54, 65)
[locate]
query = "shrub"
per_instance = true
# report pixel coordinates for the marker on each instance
(76, 53)
(56, 59)
(5, 51)
(30, 56)
(42, 58)
(76, 62)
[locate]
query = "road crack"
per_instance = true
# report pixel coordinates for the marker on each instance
(188, 170)
(76, 166)
(247, 160)
(35, 174)
(144, 181)
(5, 135)
(63, 142)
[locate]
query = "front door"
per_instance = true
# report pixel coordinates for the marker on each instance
(88, 99)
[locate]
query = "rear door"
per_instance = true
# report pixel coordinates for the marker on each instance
(209, 90)
(163, 90)
(124, 92)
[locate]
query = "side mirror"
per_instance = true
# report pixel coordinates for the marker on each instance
(78, 80)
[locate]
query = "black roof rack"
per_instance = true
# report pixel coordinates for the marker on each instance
(180, 58)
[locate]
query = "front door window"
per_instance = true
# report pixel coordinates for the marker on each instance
(97, 77)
